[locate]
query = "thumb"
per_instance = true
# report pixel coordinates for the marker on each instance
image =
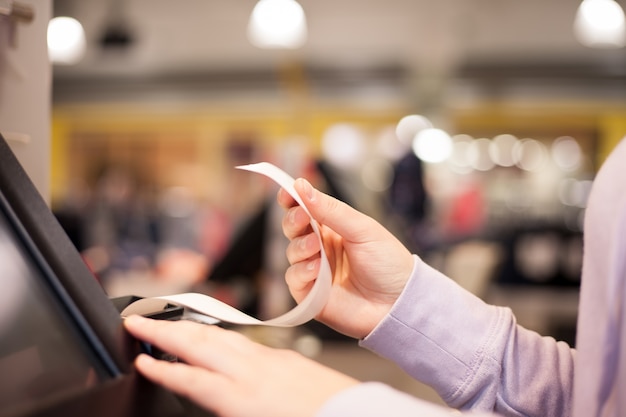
(339, 216)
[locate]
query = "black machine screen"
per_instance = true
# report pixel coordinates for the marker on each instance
(42, 351)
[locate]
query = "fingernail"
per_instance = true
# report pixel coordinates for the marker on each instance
(309, 192)
(143, 360)
(134, 320)
(302, 243)
(291, 217)
(311, 265)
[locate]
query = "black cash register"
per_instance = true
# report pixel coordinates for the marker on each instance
(63, 349)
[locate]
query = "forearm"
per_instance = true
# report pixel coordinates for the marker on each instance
(473, 354)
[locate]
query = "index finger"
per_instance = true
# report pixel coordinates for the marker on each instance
(197, 344)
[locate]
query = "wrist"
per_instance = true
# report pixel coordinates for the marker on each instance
(383, 309)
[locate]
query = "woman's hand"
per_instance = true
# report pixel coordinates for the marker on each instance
(227, 373)
(370, 266)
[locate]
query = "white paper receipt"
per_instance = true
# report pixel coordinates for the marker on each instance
(207, 309)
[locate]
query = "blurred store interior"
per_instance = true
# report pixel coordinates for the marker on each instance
(511, 113)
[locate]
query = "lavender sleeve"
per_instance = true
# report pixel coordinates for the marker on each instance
(473, 354)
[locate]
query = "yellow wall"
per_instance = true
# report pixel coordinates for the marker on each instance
(612, 130)
(207, 128)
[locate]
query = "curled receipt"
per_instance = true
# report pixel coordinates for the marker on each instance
(201, 307)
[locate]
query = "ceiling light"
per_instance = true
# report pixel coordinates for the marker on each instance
(277, 24)
(600, 24)
(66, 40)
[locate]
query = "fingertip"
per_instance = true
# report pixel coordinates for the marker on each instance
(291, 216)
(305, 190)
(134, 321)
(144, 360)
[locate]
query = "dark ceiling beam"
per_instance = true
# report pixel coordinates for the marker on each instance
(67, 88)
(609, 77)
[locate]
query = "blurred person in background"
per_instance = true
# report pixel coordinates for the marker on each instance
(409, 200)
(473, 354)
(119, 224)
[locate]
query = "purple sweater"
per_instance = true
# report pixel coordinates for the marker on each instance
(480, 361)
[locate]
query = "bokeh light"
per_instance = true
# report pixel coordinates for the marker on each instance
(459, 162)
(501, 150)
(277, 24)
(409, 126)
(566, 153)
(600, 24)
(530, 154)
(478, 155)
(432, 145)
(343, 145)
(66, 40)
(574, 193)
